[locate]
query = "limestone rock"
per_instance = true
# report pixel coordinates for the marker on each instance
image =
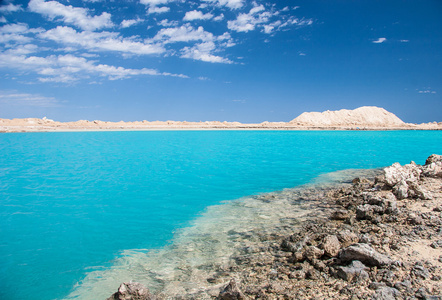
(386, 293)
(433, 158)
(132, 291)
(347, 238)
(400, 189)
(231, 292)
(365, 254)
(396, 173)
(311, 253)
(433, 166)
(340, 214)
(331, 245)
(356, 271)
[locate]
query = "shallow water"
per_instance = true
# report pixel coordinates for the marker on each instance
(82, 211)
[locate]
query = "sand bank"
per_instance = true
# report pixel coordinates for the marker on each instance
(363, 118)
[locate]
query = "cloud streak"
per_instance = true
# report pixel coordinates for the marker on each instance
(76, 16)
(24, 99)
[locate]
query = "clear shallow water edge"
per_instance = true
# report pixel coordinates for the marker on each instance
(73, 205)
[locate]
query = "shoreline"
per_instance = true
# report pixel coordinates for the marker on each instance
(46, 125)
(377, 238)
(8, 129)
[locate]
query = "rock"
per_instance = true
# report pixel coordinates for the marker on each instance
(231, 292)
(436, 244)
(132, 291)
(386, 293)
(433, 158)
(356, 271)
(313, 274)
(419, 192)
(403, 285)
(414, 219)
(401, 190)
(340, 214)
(420, 271)
(432, 170)
(311, 253)
(364, 212)
(407, 173)
(365, 254)
(347, 238)
(331, 245)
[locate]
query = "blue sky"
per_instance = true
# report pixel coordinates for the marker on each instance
(233, 60)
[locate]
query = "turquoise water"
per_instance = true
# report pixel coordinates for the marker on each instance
(71, 203)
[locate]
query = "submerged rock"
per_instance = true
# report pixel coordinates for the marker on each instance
(231, 292)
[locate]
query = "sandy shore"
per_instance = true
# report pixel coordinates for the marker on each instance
(46, 125)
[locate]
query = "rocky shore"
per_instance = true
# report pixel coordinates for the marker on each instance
(378, 238)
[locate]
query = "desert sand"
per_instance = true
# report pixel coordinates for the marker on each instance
(362, 118)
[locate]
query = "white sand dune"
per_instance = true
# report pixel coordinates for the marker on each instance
(364, 116)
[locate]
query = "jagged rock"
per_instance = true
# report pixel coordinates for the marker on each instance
(132, 291)
(400, 189)
(419, 192)
(231, 292)
(347, 238)
(396, 173)
(403, 285)
(414, 219)
(386, 293)
(340, 214)
(433, 169)
(331, 245)
(311, 253)
(365, 254)
(367, 211)
(420, 271)
(289, 244)
(436, 244)
(433, 158)
(356, 271)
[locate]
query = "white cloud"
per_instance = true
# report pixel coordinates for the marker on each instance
(129, 23)
(427, 92)
(154, 2)
(167, 23)
(185, 33)
(23, 99)
(101, 41)
(158, 10)
(10, 8)
(203, 52)
(232, 4)
(247, 22)
(219, 18)
(69, 68)
(16, 33)
(197, 15)
(72, 15)
(404, 41)
(3, 20)
(379, 40)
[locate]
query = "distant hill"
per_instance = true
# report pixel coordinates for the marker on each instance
(362, 116)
